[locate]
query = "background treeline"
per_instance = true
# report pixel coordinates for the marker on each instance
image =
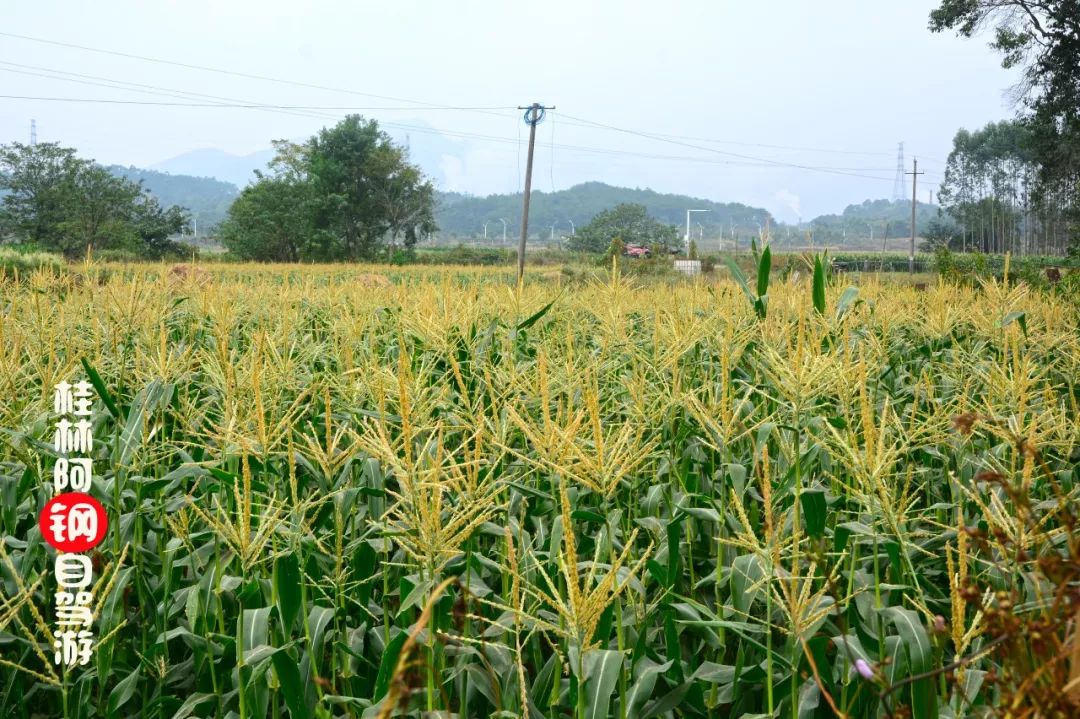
(55, 201)
(461, 215)
(874, 218)
(1000, 196)
(1015, 186)
(205, 198)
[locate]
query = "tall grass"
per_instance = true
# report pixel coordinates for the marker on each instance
(446, 495)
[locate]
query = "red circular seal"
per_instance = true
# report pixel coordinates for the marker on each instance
(73, 522)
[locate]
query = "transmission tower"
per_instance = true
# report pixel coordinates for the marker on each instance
(898, 184)
(33, 132)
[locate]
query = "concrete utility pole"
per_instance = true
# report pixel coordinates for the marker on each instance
(914, 201)
(686, 238)
(533, 115)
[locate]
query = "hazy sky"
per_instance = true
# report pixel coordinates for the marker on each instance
(844, 80)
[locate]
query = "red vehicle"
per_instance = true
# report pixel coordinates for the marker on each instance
(637, 251)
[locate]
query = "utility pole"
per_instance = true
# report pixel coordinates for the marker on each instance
(686, 237)
(914, 201)
(534, 113)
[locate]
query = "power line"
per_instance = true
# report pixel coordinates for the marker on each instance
(417, 128)
(262, 106)
(689, 138)
(429, 105)
(221, 71)
(780, 163)
(319, 112)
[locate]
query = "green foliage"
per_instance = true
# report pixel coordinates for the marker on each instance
(819, 285)
(206, 199)
(940, 232)
(348, 193)
(630, 223)
(1042, 40)
(273, 221)
(67, 204)
(856, 221)
(464, 215)
(639, 501)
(759, 298)
(14, 262)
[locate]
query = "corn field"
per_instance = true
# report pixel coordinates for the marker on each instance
(448, 497)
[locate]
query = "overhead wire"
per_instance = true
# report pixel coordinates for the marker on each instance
(220, 71)
(253, 106)
(314, 111)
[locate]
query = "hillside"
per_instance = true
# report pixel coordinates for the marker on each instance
(464, 215)
(207, 199)
(853, 225)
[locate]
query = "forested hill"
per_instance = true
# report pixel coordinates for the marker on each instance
(856, 220)
(207, 199)
(464, 215)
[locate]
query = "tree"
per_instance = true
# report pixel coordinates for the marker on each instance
(271, 221)
(348, 193)
(66, 204)
(940, 232)
(34, 179)
(1042, 38)
(153, 226)
(96, 211)
(628, 222)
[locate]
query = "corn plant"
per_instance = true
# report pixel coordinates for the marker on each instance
(449, 495)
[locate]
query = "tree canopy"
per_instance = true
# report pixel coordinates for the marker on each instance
(630, 223)
(1042, 39)
(63, 203)
(348, 193)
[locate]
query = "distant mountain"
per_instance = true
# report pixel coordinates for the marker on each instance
(211, 162)
(461, 215)
(207, 199)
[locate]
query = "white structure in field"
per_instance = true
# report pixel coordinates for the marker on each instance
(688, 267)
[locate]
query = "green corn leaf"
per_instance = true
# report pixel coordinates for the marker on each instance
(645, 673)
(740, 278)
(819, 286)
(122, 692)
(764, 267)
(387, 665)
(288, 675)
(101, 389)
(535, 317)
(846, 301)
(814, 511)
(920, 659)
(601, 669)
(287, 585)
